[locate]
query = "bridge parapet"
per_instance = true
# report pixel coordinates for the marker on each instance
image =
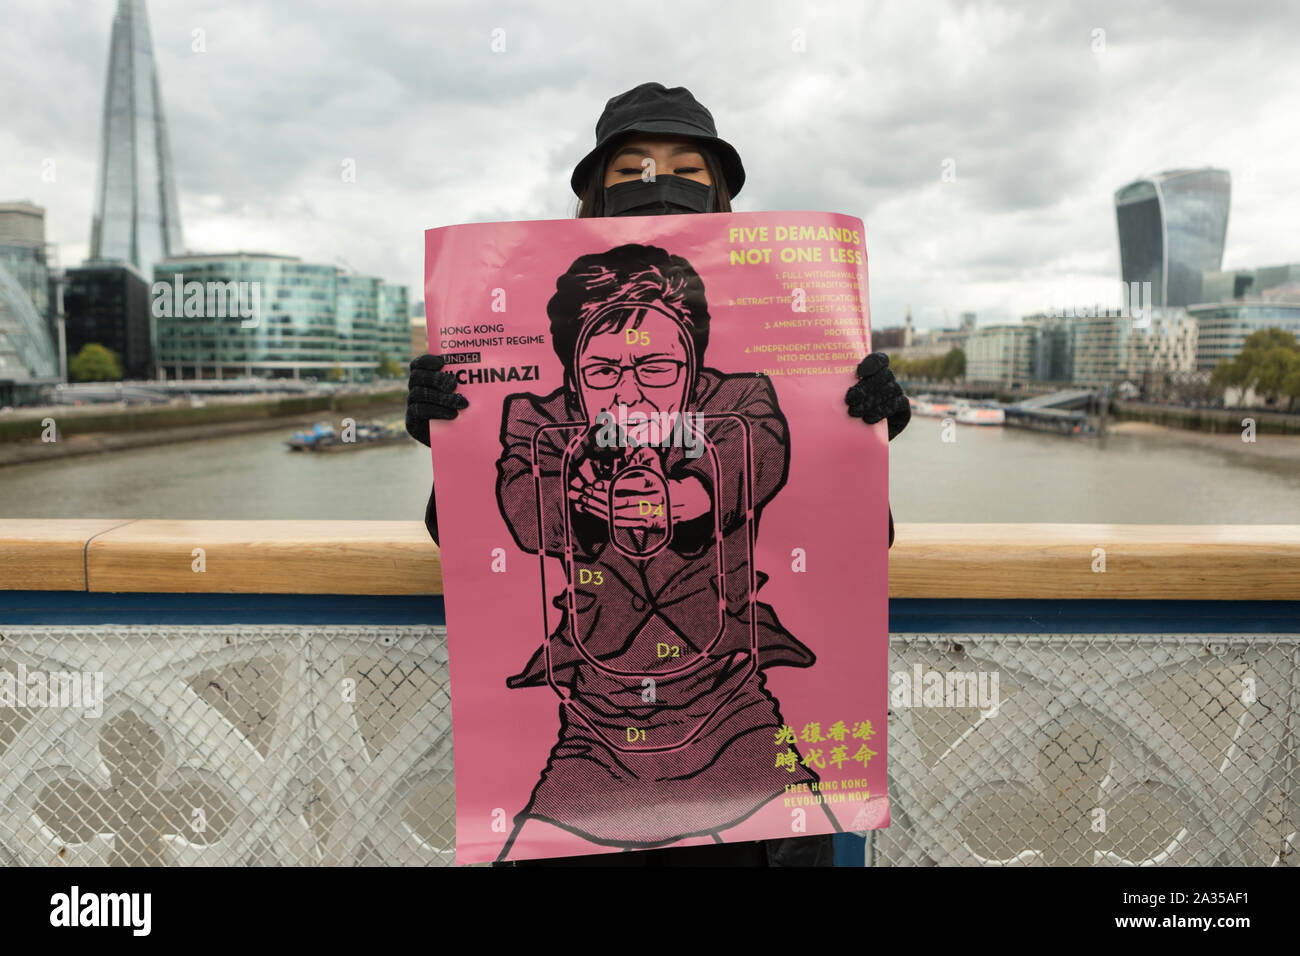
(277, 692)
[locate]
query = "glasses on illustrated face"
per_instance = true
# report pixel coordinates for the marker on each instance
(660, 373)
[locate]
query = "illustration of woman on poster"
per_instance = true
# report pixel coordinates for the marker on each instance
(646, 475)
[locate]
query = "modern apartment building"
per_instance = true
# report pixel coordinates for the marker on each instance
(1000, 353)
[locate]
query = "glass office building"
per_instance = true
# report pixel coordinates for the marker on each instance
(1239, 302)
(28, 350)
(395, 323)
(242, 313)
(1224, 286)
(24, 253)
(1225, 326)
(107, 303)
(136, 218)
(358, 317)
(1053, 355)
(1172, 228)
(28, 357)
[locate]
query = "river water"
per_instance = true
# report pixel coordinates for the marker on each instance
(986, 474)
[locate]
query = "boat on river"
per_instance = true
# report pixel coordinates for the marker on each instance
(958, 409)
(931, 406)
(324, 438)
(985, 413)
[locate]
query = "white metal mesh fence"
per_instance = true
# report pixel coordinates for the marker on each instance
(1102, 750)
(226, 746)
(276, 745)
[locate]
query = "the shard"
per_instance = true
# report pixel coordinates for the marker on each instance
(136, 217)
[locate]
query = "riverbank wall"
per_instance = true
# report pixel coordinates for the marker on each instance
(1207, 419)
(88, 432)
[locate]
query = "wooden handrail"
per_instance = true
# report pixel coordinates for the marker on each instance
(1042, 561)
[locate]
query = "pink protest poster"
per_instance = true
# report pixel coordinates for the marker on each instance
(664, 540)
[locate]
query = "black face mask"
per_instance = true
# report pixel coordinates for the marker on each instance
(662, 196)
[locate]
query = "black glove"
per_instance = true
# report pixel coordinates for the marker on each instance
(431, 393)
(878, 395)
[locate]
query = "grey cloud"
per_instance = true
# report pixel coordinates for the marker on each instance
(442, 129)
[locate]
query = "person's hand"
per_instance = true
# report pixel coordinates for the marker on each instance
(587, 491)
(590, 495)
(877, 395)
(431, 393)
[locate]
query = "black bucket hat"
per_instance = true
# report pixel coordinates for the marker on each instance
(653, 108)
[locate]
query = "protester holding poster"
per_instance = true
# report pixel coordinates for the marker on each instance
(608, 476)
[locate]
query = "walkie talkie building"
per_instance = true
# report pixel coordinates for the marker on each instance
(1171, 229)
(136, 217)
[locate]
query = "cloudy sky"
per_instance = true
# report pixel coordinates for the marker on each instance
(1044, 110)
